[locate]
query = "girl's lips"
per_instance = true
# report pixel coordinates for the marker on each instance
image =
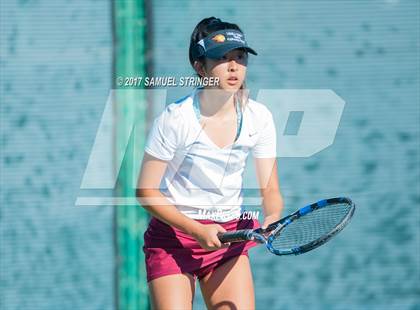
(232, 80)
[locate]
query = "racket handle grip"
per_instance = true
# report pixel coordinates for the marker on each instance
(235, 236)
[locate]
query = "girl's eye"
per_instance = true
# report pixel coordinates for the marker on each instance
(237, 57)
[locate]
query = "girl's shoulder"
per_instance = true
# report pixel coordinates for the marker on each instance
(257, 109)
(170, 127)
(180, 108)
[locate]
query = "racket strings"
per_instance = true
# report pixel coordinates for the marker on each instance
(311, 226)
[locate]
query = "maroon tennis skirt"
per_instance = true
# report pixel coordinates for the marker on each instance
(168, 250)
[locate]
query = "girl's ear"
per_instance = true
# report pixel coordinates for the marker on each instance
(199, 68)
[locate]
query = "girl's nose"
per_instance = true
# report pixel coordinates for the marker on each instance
(232, 65)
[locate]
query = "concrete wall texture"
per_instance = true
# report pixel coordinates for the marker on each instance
(56, 61)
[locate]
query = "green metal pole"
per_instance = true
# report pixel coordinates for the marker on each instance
(130, 109)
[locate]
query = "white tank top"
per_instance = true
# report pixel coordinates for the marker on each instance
(203, 180)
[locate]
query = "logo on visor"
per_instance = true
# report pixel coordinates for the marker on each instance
(219, 38)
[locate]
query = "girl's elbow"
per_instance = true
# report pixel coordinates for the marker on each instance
(145, 196)
(141, 195)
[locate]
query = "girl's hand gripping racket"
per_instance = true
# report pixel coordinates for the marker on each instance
(301, 231)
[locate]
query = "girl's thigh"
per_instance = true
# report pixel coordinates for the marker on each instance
(230, 286)
(172, 292)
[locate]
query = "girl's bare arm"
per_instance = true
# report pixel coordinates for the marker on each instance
(150, 197)
(272, 200)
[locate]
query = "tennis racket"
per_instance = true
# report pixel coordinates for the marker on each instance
(301, 231)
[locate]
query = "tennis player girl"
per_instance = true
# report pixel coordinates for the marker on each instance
(194, 159)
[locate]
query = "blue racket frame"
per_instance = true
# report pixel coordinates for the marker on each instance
(275, 229)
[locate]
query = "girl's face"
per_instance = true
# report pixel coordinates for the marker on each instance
(230, 69)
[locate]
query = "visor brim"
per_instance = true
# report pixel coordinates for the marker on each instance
(219, 51)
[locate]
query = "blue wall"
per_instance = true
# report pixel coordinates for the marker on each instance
(56, 61)
(367, 52)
